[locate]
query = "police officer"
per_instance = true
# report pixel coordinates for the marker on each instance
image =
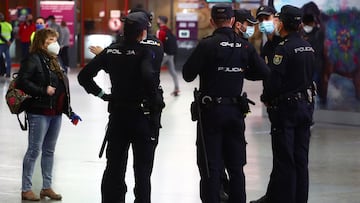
(222, 61)
(244, 23)
(288, 95)
(131, 121)
(267, 19)
(153, 43)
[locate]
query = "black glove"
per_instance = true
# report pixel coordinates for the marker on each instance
(106, 97)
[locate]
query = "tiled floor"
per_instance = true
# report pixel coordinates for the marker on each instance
(334, 154)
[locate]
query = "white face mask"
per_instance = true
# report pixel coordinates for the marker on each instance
(277, 31)
(250, 30)
(54, 48)
(308, 28)
(267, 27)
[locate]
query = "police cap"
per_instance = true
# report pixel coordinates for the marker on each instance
(265, 10)
(243, 15)
(222, 11)
(136, 20)
(148, 14)
(290, 15)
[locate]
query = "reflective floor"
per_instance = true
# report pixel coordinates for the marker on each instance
(334, 153)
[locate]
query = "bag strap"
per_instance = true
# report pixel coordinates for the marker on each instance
(23, 126)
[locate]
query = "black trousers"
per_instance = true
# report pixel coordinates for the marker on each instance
(223, 130)
(290, 131)
(126, 127)
(64, 57)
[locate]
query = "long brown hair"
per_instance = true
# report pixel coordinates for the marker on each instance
(40, 38)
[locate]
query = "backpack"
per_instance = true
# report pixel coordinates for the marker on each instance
(170, 44)
(16, 100)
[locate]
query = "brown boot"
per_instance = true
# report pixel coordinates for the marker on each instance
(50, 194)
(30, 196)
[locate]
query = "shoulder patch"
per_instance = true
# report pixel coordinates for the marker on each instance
(277, 59)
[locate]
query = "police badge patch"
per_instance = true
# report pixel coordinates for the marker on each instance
(277, 59)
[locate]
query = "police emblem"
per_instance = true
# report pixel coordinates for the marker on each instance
(277, 59)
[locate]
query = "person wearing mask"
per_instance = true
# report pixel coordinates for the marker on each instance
(134, 102)
(39, 24)
(41, 77)
(25, 30)
(244, 23)
(288, 96)
(312, 33)
(169, 52)
(6, 38)
(266, 18)
(64, 45)
(155, 46)
(51, 23)
(222, 61)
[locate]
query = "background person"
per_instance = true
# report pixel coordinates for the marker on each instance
(25, 30)
(64, 45)
(39, 24)
(41, 77)
(169, 52)
(6, 38)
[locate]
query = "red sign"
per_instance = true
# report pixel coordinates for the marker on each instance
(62, 10)
(114, 24)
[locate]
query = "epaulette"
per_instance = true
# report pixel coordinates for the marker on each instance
(283, 42)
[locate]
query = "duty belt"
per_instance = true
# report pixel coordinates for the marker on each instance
(219, 100)
(297, 96)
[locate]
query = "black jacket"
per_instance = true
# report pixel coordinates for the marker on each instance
(132, 76)
(34, 77)
(291, 68)
(222, 61)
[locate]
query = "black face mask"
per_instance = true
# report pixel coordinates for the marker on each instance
(30, 21)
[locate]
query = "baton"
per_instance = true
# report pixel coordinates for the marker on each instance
(103, 145)
(201, 134)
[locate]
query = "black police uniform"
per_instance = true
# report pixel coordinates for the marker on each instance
(129, 66)
(289, 95)
(267, 51)
(222, 61)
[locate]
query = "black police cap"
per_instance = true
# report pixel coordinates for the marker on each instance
(243, 15)
(290, 15)
(222, 11)
(136, 20)
(148, 14)
(265, 10)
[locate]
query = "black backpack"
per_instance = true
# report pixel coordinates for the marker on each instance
(170, 44)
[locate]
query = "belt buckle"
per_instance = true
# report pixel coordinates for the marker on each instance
(206, 99)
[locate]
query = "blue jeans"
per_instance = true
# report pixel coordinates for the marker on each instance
(43, 134)
(4, 49)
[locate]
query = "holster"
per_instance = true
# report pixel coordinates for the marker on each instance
(194, 111)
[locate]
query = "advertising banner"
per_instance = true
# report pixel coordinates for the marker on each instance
(62, 10)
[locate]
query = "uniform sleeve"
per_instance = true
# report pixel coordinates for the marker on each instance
(274, 83)
(258, 70)
(194, 63)
(87, 74)
(150, 81)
